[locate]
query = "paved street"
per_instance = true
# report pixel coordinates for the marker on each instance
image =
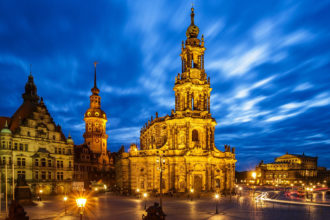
(119, 207)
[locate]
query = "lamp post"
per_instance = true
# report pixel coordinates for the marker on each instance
(65, 199)
(40, 192)
(254, 176)
(138, 192)
(161, 162)
(145, 195)
(216, 196)
(81, 202)
(192, 194)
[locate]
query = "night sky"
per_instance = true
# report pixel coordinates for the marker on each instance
(268, 62)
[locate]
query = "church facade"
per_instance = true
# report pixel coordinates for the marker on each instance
(177, 151)
(33, 146)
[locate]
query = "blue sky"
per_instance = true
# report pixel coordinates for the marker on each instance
(268, 62)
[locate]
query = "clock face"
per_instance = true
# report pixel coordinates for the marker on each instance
(97, 140)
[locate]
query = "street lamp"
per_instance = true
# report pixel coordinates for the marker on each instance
(138, 192)
(81, 202)
(192, 194)
(254, 176)
(145, 195)
(40, 192)
(216, 196)
(65, 199)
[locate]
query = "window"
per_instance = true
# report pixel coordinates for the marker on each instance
(69, 151)
(54, 137)
(21, 173)
(194, 135)
(19, 162)
(3, 144)
(36, 162)
(49, 175)
(28, 133)
(9, 144)
(49, 163)
(20, 146)
(9, 160)
(23, 162)
(55, 150)
(15, 146)
(43, 175)
(217, 183)
(36, 175)
(4, 160)
(58, 164)
(70, 164)
(43, 162)
(60, 175)
(60, 151)
(61, 164)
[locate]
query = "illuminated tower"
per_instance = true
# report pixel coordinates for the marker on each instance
(95, 122)
(192, 87)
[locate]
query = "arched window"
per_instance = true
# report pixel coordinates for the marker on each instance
(217, 183)
(194, 135)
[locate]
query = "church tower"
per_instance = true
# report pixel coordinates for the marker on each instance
(192, 87)
(95, 122)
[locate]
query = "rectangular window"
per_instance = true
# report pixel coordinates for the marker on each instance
(69, 151)
(36, 175)
(21, 173)
(49, 163)
(49, 175)
(58, 175)
(60, 151)
(55, 150)
(43, 175)
(58, 164)
(9, 160)
(61, 164)
(9, 144)
(43, 162)
(15, 146)
(20, 146)
(19, 162)
(36, 162)
(61, 175)
(4, 160)
(23, 162)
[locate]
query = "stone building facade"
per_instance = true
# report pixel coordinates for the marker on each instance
(93, 162)
(32, 144)
(286, 170)
(180, 146)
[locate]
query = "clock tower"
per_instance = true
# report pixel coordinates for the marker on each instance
(95, 123)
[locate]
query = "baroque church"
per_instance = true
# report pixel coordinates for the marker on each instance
(33, 146)
(177, 151)
(93, 162)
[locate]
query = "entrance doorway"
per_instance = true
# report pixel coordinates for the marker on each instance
(198, 183)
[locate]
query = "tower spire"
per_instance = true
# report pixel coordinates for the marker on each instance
(95, 63)
(30, 69)
(192, 15)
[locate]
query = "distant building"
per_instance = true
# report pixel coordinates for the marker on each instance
(35, 146)
(286, 170)
(181, 145)
(93, 162)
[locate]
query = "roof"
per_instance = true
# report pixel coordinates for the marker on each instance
(3, 121)
(24, 111)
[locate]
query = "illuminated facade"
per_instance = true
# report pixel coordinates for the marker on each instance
(181, 144)
(35, 146)
(286, 169)
(93, 161)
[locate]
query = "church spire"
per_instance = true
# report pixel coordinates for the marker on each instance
(192, 16)
(30, 90)
(95, 90)
(95, 63)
